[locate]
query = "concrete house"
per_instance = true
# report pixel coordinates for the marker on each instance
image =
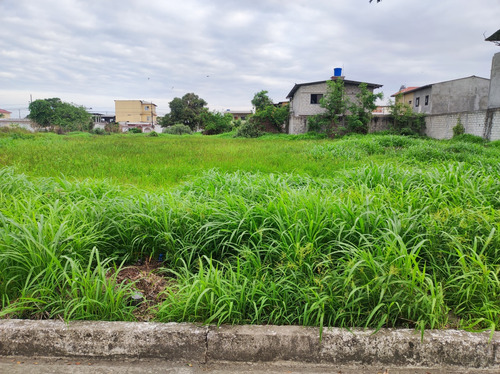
(135, 113)
(305, 100)
(459, 95)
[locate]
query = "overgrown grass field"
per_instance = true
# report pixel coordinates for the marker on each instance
(372, 231)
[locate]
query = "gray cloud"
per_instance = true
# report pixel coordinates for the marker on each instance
(93, 52)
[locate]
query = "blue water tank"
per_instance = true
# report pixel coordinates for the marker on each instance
(337, 72)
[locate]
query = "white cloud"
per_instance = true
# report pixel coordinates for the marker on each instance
(93, 52)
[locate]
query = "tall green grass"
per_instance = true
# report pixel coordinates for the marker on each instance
(412, 242)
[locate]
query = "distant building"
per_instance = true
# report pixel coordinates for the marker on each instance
(5, 113)
(305, 100)
(102, 118)
(135, 113)
(239, 114)
(382, 110)
(405, 95)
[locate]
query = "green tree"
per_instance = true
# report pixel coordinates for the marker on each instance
(360, 112)
(335, 102)
(404, 120)
(216, 122)
(267, 117)
(187, 110)
(261, 100)
(271, 118)
(52, 113)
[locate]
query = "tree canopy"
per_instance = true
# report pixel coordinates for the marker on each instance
(267, 117)
(55, 113)
(261, 100)
(187, 110)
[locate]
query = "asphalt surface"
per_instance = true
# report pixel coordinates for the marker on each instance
(37, 365)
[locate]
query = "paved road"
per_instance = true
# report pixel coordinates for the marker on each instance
(23, 365)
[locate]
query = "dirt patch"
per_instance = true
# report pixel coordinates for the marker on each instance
(149, 282)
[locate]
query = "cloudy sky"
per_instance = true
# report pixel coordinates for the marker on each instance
(91, 52)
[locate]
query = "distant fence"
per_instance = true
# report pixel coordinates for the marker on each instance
(21, 123)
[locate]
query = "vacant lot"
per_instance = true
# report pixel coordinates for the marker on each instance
(363, 231)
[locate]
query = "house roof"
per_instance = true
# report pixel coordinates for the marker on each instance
(494, 38)
(239, 111)
(298, 85)
(404, 90)
(5, 111)
(411, 89)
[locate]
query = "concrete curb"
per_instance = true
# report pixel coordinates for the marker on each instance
(208, 344)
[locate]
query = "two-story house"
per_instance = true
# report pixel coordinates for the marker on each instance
(305, 101)
(458, 95)
(135, 113)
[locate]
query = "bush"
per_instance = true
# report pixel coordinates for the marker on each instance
(99, 132)
(178, 129)
(249, 129)
(318, 123)
(217, 123)
(459, 128)
(237, 123)
(153, 134)
(135, 130)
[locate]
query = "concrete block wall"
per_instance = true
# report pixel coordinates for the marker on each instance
(476, 123)
(495, 124)
(297, 125)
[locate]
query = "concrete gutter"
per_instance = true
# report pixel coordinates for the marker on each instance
(211, 344)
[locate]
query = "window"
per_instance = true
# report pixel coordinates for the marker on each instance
(426, 99)
(146, 107)
(149, 118)
(409, 102)
(417, 101)
(315, 98)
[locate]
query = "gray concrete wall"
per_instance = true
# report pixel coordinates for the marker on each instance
(484, 123)
(460, 95)
(301, 105)
(494, 98)
(421, 94)
(379, 123)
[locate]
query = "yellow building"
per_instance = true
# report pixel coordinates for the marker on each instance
(405, 95)
(4, 113)
(135, 112)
